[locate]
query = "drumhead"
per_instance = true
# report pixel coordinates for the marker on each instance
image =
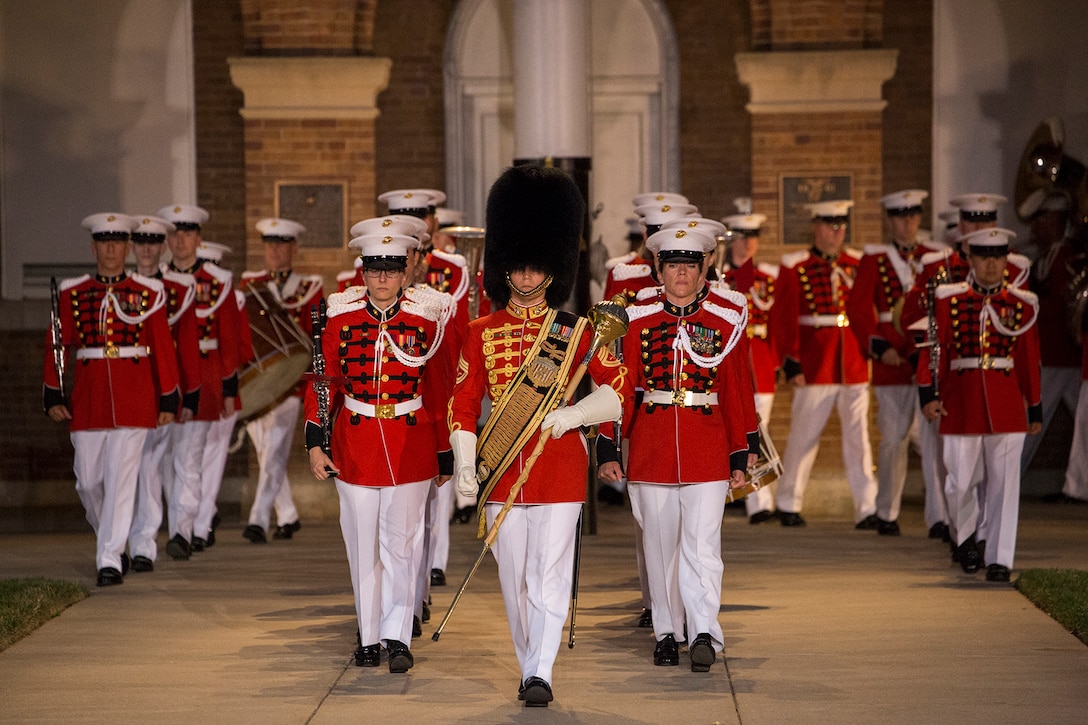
(262, 389)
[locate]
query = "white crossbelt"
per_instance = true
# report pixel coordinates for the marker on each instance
(759, 331)
(111, 351)
(824, 320)
(884, 316)
(985, 363)
(682, 398)
(384, 411)
(206, 345)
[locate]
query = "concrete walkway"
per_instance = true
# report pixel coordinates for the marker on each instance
(823, 624)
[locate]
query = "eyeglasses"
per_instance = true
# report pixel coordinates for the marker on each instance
(379, 273)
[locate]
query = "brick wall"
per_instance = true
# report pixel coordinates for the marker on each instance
(908, 135)
(317, 27)
(816, 24)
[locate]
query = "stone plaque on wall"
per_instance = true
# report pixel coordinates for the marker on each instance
(320, 207)
(799, 190)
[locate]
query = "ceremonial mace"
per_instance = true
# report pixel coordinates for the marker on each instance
(609, 321)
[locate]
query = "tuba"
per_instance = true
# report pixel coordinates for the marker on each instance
(1045, 170)
(470, 245)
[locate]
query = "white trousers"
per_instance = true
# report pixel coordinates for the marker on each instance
(107, 465)
(763, 499)
(213, 464)
(383, 536)
(272, 435)
(534, 551)
(182, 478)
(633, 492)
(897, 414)
(933, 473)
(147, 517)
(811, 409)
(999, 454)
(1056, 385)
(1076, 475)
(682, 535)
(440, 531)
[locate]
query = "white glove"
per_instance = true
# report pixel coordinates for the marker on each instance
(597, 407)
(463, 444)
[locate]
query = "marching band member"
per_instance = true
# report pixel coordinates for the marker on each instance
(273, 432)
(125, 382)
(522, 357)
(381, 343)
(1075, 489)
(634, 271)
(198, 465)
(822, 361)
(693, 366)
(148, 240)
(756, 281)
(885, 274)
(987, 377)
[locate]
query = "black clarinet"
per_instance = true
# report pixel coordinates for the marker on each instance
(56, 341)
(321, 385)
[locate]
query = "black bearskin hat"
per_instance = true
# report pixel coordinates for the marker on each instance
(535, 217)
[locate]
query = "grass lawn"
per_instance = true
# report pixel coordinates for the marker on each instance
(26, 604)
(1061, 593)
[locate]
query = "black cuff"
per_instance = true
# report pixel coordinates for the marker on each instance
(927, 394)
(230, 386)
(445, 463)
(169, 403)
(191, 400)
(738, 461)
(791, 368)
(51, 397)
(877, 347)
(606, 450)
(314, 435)
(1035, 413)
(753, 443)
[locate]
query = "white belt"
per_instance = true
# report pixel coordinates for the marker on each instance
(682, 398)
(884, 316)
(838, 320)
(206, 345)
(384, 411)
(110, 351)
(759, 331)
(985, 363)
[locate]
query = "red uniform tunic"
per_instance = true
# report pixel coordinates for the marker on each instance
(952, 266)
(627, 275)
(698, 408)
(296, 294)
(351, 277)
(389, 429)
(492, 354)
(1051, 276)
(757, 283)
(125, 368)
(446, 273)
(885, 275)
(219, 338)
(181, 315)
(810, 322)
(989, 359)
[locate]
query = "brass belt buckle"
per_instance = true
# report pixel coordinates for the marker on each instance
(385, 411)
(679, 397)
(840, 321)
(112, 351)
(986, 362)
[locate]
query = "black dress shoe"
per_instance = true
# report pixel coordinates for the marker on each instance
(464, 515)
(108, 576)
(760, 516)
(997, 573)
(178, 547)
(126, 563)
(286, 531)
(646, 619)
(426, 616)
(368, 656)
(666, 653)
(210, 541)
(887, 528)
(198, 544)
(400, 657)
(939, 530)
(1061, 498)
(417, 628)
(255, 534)
(790, 518)
(536, 692)
(702, 653)
(142, 563)
(438, 578)
(869, 523)
(968, 556)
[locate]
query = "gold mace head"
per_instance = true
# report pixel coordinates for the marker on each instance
(609, 320)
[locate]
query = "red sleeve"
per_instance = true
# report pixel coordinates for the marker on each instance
(784, 315)
(859, 305)
(163, 354)
(187, 339)
(469, 386)
(1026, 362)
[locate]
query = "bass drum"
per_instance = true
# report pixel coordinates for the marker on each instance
(282, 353)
